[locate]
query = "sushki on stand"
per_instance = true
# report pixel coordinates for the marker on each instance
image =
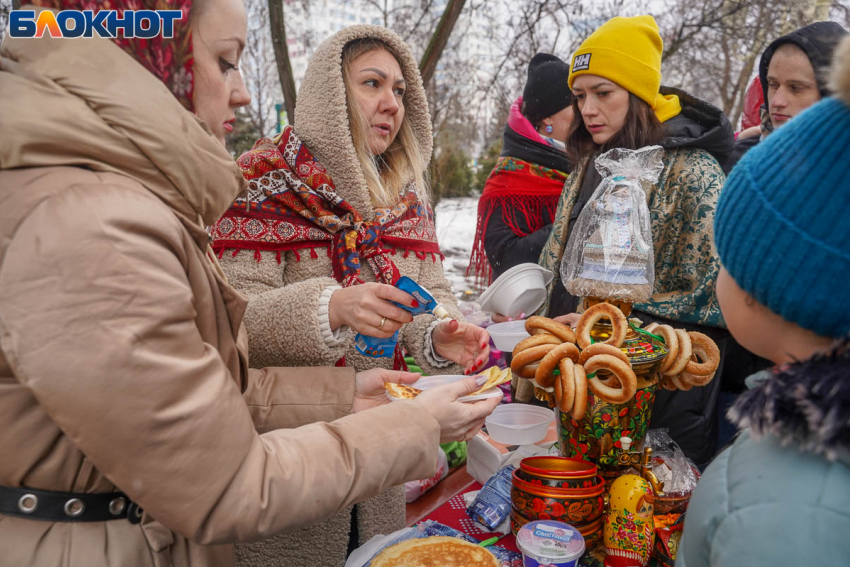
(602, 377)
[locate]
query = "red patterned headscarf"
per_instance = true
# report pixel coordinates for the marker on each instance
(169, 59)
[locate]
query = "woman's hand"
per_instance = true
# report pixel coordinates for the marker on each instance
(499, 318)
(366, 306)
(570, 319)
(459, 421)
(369, 391)
(462, 343)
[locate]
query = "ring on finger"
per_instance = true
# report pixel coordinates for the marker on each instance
(383, 320)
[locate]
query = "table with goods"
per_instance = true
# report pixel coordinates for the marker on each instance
(607, 491)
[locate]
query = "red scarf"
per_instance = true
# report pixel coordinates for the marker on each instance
(522, 190)
(292, 204)
(169, 59)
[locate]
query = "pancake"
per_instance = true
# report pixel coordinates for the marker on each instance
(402, 391)
(437, 551)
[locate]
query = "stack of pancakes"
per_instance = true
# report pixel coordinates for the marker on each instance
(434, 551)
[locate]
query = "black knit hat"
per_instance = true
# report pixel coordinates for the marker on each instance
(546, 91)
(817, 40)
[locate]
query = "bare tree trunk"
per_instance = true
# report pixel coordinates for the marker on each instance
(281, 55)
(438, 41)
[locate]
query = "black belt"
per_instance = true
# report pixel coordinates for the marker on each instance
(52, 506)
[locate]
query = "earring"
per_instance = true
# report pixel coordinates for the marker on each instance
(549, 129)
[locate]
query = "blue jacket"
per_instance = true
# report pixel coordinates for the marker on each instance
(780, 495)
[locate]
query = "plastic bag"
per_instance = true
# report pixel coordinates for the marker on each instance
(416, 488)
(678, 473)
(472, 312)
(609, 254)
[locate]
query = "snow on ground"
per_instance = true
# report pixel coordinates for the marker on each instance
(456, 232)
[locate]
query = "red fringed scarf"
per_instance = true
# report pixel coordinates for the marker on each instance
(524, 191)
(292, 204)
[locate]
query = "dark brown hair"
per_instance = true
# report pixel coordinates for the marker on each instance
(640, 129)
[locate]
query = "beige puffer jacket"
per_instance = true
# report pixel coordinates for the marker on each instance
(285, 298)
(122, 355)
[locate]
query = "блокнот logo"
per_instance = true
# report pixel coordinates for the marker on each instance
(144, 24)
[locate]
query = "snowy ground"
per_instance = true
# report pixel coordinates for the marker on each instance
(456, 232)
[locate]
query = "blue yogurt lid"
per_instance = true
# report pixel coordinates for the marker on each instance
(548, 539)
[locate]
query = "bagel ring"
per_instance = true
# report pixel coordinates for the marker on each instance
(536, 340)
(671, 340)
(706, 350)
(667, 383)
(535, 325)
(679, 383)
(580, 398)
(683, 357)
(565, 385)
(695, 379)
(619, 324)
(544, 376)
(623, 372)
(602, 348)
(529, 356)
(528, 372)
(651, 327)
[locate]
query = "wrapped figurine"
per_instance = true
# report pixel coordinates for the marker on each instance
(610, 253)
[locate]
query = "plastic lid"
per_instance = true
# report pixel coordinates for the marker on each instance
(550, 540)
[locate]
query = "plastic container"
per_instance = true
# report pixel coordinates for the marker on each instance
(522, 289)
(519, 424)
(506, 335)
(434, 381)
(550, 543)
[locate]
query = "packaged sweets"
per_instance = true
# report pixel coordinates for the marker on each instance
(492, 506)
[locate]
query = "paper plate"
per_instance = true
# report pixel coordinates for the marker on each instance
(522, 289)
(427, 382)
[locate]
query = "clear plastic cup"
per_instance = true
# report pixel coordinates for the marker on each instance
(519, 424)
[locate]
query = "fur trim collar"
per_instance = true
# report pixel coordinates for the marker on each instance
(806, 403)
(321, 117)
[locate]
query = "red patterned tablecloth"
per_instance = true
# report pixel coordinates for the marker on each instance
(453, 514)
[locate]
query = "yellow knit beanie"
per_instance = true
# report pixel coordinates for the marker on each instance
(628, 52)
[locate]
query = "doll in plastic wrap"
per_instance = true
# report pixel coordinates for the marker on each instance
(610, 253)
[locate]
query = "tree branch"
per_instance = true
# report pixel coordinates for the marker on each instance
(281, 55)
(432, 54)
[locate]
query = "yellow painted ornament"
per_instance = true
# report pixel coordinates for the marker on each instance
(629, 530)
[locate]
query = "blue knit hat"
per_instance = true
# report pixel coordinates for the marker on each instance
(782, 225)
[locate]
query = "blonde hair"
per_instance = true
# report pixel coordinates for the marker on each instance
(388, 174)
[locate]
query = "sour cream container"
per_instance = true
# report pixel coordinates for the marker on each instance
(547, 543)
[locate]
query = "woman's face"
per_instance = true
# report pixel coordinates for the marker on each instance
(603, 106)
(218, 38)
(791, 84)
(378, 86)
(560, 124)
